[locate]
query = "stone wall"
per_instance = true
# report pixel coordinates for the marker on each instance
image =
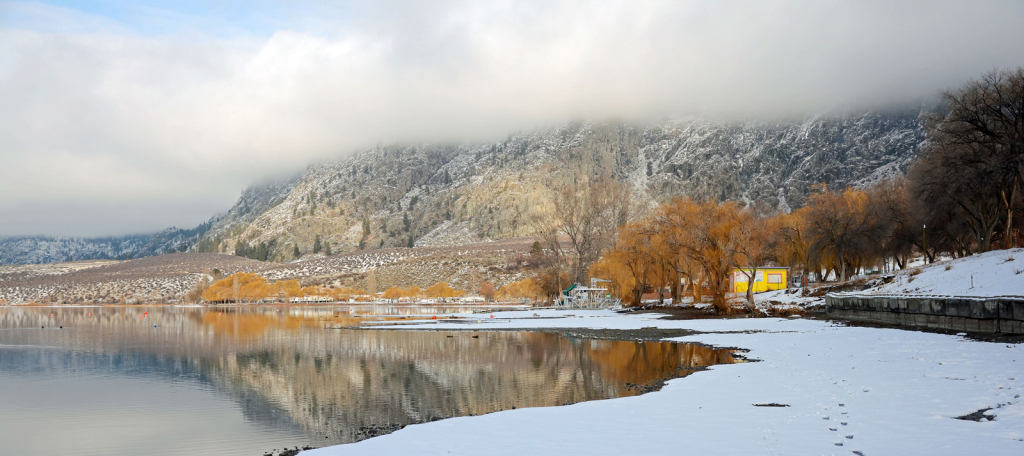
(968, 314)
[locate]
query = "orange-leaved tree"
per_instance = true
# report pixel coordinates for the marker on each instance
(236, 287)
(843, 228)
(523, 289)
(394, 294)
(413, 292)
(757, 236)
(487, 291)
(442, 290)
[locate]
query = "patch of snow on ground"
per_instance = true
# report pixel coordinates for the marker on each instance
(784, 299)
(995, 273)
(850, 390)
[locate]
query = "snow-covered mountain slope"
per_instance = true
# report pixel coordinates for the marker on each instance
(454, 194)
(40, 249)
(442, 195)
(34, 250)
(254, 201)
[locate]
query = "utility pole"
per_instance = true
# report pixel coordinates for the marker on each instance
(924, 241)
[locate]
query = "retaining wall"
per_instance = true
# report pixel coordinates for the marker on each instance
(968, 314)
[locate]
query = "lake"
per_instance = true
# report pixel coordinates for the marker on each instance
(252, 380)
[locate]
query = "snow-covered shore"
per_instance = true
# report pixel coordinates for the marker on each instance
(849, 390)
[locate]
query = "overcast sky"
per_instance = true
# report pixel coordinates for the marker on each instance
(124, 117)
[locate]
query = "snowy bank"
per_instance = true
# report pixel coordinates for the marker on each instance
(995, 273)
(848, 390)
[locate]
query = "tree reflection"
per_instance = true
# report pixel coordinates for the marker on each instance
(343, 385)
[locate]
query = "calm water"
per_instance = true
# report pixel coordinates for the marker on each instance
(187, 380)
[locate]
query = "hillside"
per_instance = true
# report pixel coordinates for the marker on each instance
(448, 195)
(43, 249)
(168, 278)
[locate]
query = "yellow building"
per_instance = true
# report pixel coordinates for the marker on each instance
(766, 279)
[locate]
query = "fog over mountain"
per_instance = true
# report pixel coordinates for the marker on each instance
(118, 118)
(436, 194)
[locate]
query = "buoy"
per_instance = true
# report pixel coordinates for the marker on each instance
(434, 317)
(492, 315)
(154, 326)
(90, 314)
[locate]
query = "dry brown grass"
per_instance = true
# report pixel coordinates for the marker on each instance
(785, 311)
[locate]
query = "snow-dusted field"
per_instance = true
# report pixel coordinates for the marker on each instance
(849, 390)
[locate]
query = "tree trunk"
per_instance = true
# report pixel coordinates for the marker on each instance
(1009, 215)
(718, 294)
(750, 289)
(676, 298)
(699, 288)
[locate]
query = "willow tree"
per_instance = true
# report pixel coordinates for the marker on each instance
(756, 238)
(704, 234)
(843, 228)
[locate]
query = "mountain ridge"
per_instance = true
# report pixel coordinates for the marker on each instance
(451, 194)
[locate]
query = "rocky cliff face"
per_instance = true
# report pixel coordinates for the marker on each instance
(445, 195)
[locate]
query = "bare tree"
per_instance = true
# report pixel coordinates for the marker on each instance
(955, 179)
(843, 229)
(981, 132)
(587, 213)
(902, 227)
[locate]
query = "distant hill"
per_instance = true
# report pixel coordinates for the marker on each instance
(42, 249)
(454, 194)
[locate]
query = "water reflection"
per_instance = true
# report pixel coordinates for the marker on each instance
(286, 371)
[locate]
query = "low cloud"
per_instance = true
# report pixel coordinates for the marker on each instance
(101, 122)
